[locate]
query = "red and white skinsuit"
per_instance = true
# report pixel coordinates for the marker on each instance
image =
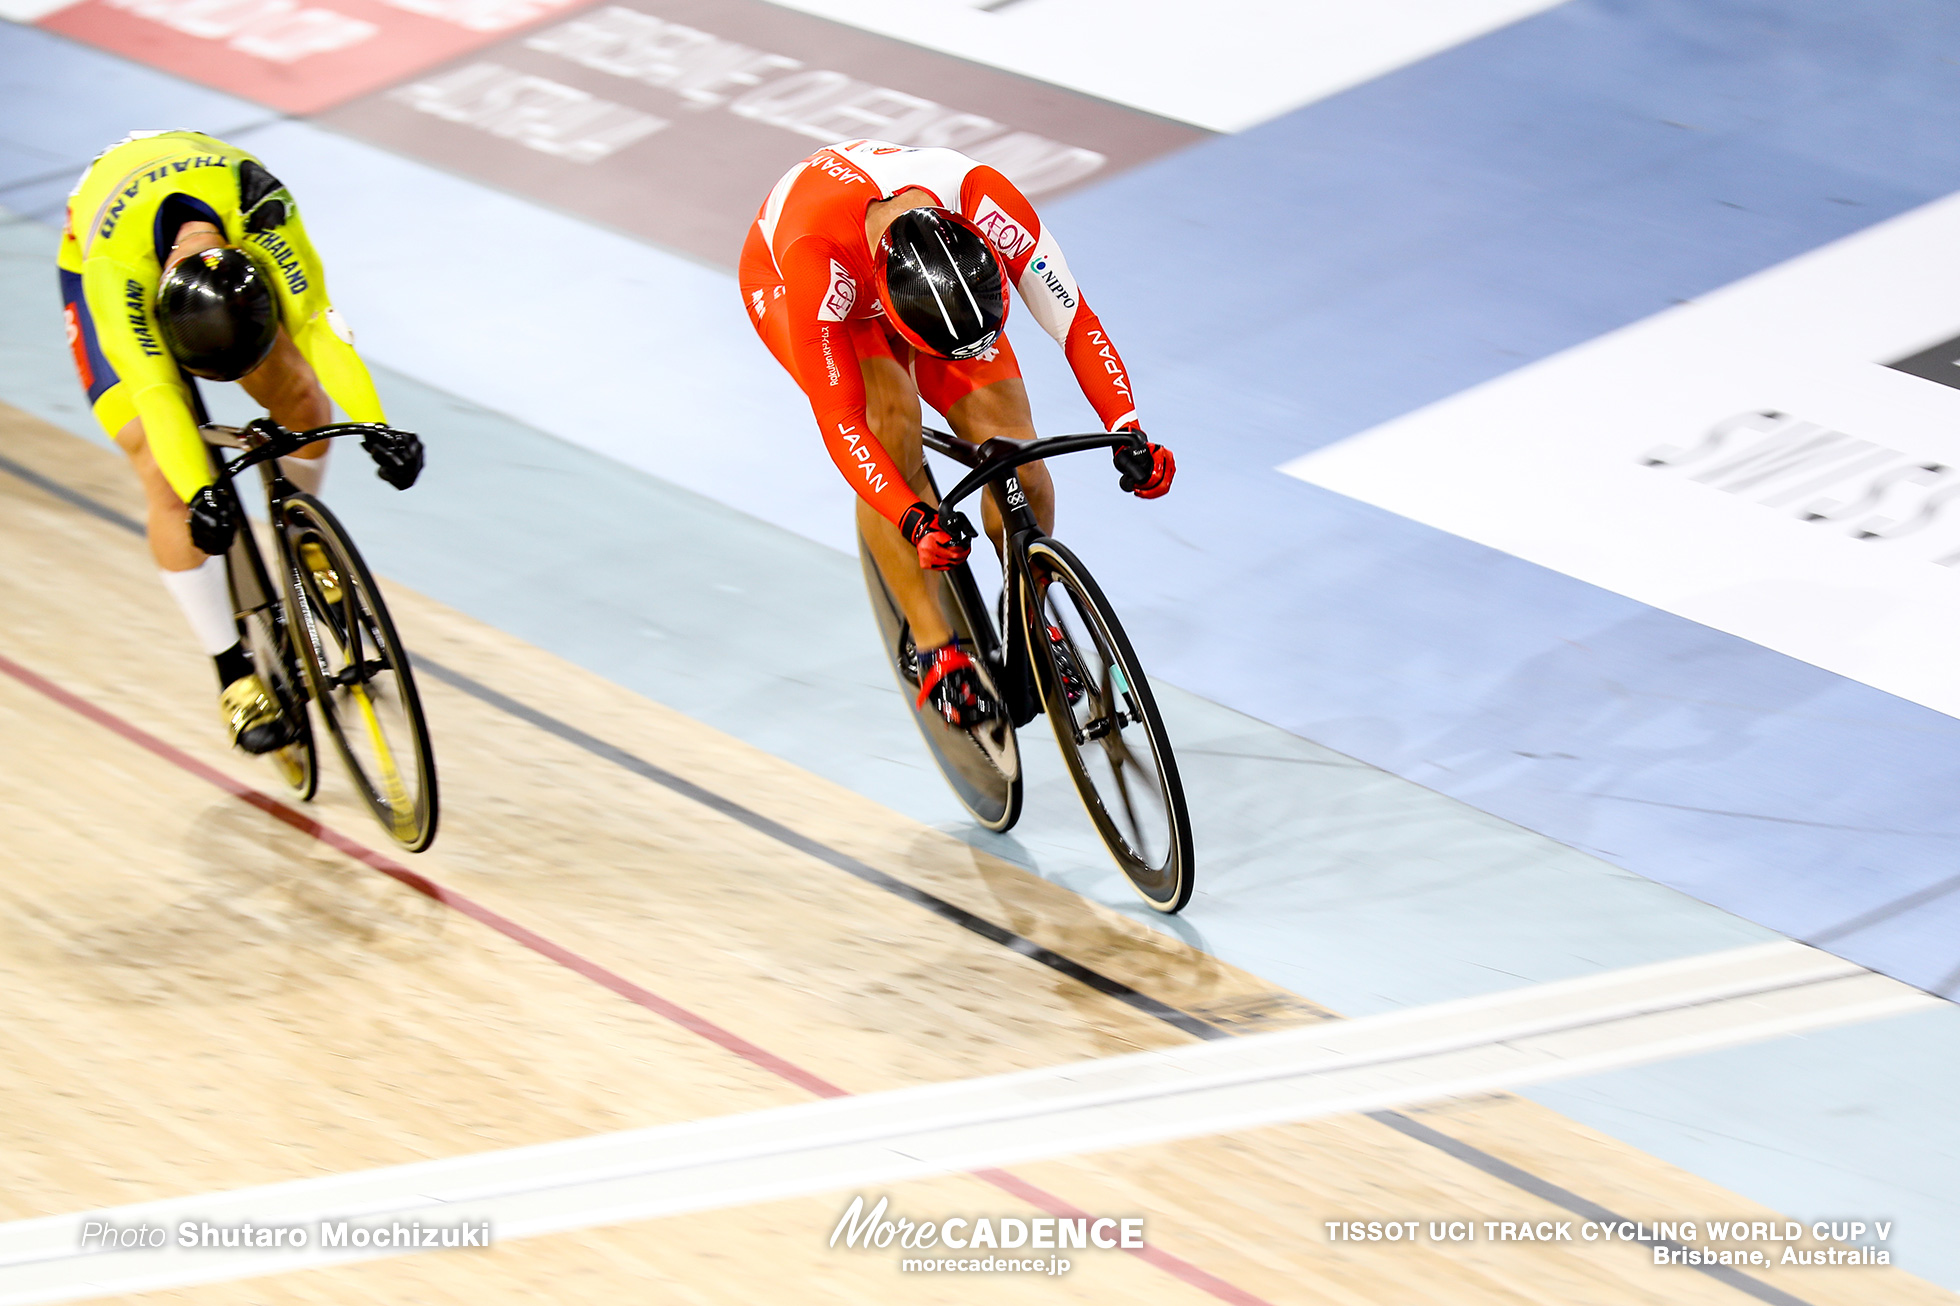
(807, 277)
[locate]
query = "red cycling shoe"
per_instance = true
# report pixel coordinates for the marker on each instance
(950, 681)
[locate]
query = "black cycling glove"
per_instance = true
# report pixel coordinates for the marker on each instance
(397, 456)
(1144, 472)
(214, 518)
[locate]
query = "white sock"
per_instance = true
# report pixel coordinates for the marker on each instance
(204, 593)
(307, 473)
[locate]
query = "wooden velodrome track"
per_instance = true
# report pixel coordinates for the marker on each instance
(201, 996)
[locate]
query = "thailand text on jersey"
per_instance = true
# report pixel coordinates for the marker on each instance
(123, 217)
(812, 226)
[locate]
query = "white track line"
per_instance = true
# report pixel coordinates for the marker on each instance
(1500, 1040)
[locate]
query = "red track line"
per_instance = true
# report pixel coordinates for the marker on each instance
(572, 961)
(510, 929)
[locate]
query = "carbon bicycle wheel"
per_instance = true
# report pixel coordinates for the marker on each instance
(1108, 726)
(359, 672)
(983, 765)
(263, 629)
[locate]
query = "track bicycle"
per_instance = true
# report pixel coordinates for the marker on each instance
(322, 634)
(1060, 649)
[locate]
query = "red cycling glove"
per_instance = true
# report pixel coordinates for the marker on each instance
(938, 550)
(1147, 473)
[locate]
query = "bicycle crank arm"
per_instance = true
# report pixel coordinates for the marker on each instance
(348, 677)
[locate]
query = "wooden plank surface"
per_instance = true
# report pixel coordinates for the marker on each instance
(202, 997)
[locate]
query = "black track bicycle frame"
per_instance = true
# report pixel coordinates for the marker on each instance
(263, 451)
(257, 580)
(993, 466)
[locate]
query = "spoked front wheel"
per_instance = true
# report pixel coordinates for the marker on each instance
(1108, 726)
(359, 673)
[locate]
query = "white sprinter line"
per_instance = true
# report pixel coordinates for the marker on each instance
(1498, 1041)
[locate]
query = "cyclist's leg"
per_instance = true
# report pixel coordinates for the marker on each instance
(200, 585)
(286, 387)
(983, 398)
(291, 394)
(166, 519)
(284, 384)
(892, 408)
(194, 578)
(947, 679)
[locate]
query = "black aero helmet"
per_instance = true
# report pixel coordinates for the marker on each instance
(215, 313)
(940, 283)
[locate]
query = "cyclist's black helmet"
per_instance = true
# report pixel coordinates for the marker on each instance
(941, 284)
(215, 314)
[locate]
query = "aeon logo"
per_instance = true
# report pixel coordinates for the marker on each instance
(840, 297)
(1008, 236)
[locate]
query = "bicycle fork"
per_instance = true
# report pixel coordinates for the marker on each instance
(1010, 653)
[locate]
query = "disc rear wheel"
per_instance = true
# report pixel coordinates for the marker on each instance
(983, 765)
(359, 673)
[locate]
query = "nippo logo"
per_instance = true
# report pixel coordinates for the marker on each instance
(1007, 234)
(841, 296)
(1054, 278)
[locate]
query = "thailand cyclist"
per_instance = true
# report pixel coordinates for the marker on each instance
(877, 275)
(184, 254)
